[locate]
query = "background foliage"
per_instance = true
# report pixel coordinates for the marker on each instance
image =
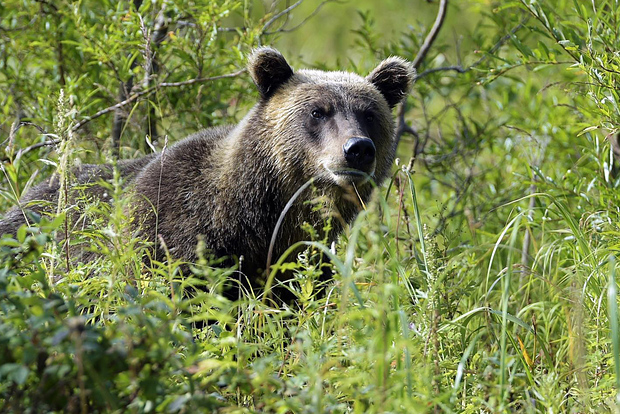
(481, 277)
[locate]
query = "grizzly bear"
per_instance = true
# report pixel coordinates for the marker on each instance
(229, 185)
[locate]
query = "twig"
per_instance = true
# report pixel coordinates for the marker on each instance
(32, 124)
(39, 145)
(114, 107)
(456, 68)
(149, 91)
(125, 88)
(304, 21)
(200, 80)
(501, 42)
(551, 30)
(432, 35)
(277, 16)
(151, 65)
(402, 125)
(16, 128)
(47, 3)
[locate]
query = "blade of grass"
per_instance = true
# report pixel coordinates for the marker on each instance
(612, 305)
(405, 326)
(463, 364)
(418, 219)
(505, 300)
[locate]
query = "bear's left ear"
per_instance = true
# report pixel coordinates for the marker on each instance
(269, 70)
(393, 77)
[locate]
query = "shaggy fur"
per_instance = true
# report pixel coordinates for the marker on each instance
(229, 185)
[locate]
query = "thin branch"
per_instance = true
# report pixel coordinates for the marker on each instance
(16, 29)
(16, 128)
(432, 35)
(125, 88)
(149, 91)
(200, 80)
(32, 124)
(545, 23)
(500, 42)
(32, 147)
(402, 126)
(460, 69)
(151, 64)
(304, 21)
(457, 68)
(277, 16)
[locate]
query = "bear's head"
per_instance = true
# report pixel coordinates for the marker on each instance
(334, 126)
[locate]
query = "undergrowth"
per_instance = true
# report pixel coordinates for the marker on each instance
(405, 325)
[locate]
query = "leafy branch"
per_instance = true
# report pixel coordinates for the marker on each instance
(402, 126)
(150, 91)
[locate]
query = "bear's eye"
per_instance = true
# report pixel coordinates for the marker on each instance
(369, 116)
(317, 114)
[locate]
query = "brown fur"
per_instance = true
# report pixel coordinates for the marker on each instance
(229, 185)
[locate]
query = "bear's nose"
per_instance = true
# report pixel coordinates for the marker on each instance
(359, 153)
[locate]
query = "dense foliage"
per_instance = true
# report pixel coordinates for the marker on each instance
(480, 278)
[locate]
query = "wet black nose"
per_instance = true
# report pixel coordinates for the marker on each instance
(359, 153)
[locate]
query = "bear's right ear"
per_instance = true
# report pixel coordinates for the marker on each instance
(269, 70)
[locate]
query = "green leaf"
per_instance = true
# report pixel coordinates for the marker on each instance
(15, 372)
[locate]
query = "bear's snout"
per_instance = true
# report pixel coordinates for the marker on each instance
(359, 153)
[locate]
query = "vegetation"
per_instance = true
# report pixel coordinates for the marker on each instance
(480, 279)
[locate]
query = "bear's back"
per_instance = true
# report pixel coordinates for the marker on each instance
(176, 192)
